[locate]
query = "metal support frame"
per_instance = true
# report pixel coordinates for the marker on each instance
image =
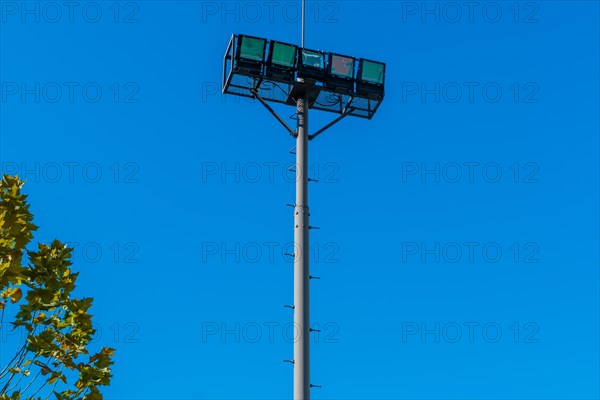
(226, 78)
(270, 109)
(329, 125)
(347, 111)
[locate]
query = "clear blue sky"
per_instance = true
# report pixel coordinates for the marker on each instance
(440, 278)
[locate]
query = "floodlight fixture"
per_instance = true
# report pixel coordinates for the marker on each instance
(281, 62)
(371, 78)
(311, 64)
(340, 73)
(341, 66)
(250, 54)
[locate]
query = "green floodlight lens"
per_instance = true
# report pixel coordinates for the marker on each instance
(372, 72)
(284, 54)
(312, 59)
(252, 48)
(342, 66)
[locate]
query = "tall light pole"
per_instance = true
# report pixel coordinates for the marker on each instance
(302, 259)
(302, 254)
(306, 79)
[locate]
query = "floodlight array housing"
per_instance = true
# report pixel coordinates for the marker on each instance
(281, 72)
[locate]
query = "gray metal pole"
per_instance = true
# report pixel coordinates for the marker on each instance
(301, 260)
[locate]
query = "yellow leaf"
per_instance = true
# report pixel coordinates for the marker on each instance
(16, 295)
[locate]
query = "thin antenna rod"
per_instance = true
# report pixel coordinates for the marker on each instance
(303, 20)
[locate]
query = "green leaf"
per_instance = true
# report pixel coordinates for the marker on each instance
(57, 325)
